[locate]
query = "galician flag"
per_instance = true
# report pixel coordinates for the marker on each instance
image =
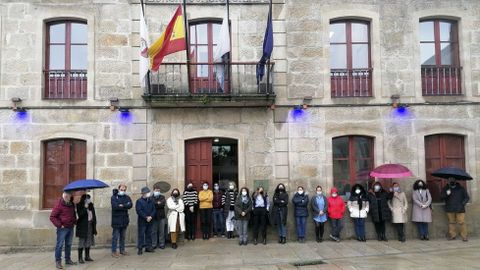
(144, 59)
(221, 53)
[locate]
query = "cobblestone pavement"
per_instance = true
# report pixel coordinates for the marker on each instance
(220, 253)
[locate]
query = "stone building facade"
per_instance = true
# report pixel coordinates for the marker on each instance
(274, 145)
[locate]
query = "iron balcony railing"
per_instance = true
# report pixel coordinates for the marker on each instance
(229, 79)
(351, 82)
(441, 81)
(65, 84)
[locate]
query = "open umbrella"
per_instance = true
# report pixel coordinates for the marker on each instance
(448, 172)
(85, 184)
(391, 171)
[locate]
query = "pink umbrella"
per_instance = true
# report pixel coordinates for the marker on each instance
(391, 171)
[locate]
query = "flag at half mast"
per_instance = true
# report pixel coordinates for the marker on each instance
(172, 40)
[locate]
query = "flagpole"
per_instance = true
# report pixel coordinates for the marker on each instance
(230, 53)
(185, 22)
(147, 84)
(267, 86)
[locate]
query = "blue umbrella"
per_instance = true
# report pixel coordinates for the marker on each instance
(85, 184)
(448, 172)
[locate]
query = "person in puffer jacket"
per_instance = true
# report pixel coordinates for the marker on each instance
(358, 207)
(336, 209)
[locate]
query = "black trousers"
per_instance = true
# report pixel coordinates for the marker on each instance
(206, 220)
(399, 228)
(380, 227)
(259, 222)
(190, 223)
(319, 229)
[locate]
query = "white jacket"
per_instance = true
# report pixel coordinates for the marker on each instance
(355, 211)
(175, 210)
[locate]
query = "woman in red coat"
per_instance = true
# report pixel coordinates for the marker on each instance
(336, 209)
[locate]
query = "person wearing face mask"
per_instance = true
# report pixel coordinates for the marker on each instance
(280, 212)
(243, 207)
(190, 199)
(63, 218)
(218, 204)
(175, 216)
(121, 203)
(146, 211)
(455, 197)
(229, 208)
(159, 219)
(336, 209)
(398, 204)
(421, 211)
(205, 197)
(261, 205)
(379, 210)
(319, 206)
(300, 206)
(358, 207)
(86, 227)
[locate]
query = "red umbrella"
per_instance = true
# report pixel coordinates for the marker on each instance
(391, 171)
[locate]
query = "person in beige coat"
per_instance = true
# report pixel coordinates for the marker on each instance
(175, 216)
(398, 205)
(421, 211)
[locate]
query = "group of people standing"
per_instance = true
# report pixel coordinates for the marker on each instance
(233, 210)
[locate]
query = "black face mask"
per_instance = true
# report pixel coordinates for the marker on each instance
(175, 195)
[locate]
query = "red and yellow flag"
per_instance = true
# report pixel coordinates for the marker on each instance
(172, 40)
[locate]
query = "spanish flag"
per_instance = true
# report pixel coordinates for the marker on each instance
(172, 40)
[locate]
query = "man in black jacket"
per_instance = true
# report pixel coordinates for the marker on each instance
(456, 197)
(158, 228)
(121, 203)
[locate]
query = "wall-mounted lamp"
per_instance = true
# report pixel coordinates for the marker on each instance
(16, 101)
(306, 101)
(395, 99)
(125, 116)
(113, 103)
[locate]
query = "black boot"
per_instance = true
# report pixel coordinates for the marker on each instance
(384, 237)
(280, 239)
(317, 234)
(284, 241)
(80, 255)
(264, 240)
(255, 241)
(87, 255)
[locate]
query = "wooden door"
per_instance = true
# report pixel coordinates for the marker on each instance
(64, 162)
(442, 150)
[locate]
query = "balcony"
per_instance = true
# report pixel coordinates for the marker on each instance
(65, 84)
(441, 81)
(351, 82)
(210, 85)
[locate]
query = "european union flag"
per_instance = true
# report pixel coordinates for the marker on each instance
(267, 47)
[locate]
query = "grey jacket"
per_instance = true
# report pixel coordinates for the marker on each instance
(420, 214)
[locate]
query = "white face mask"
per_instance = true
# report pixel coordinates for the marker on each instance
(376, 188)
(156, 193)
(121, 193)
(244, 193)
(231, 187)
(216, 187)
(334, 195)
(205, 187)
(88, 201)
(319, 193)
(357, 191)
(147, 195)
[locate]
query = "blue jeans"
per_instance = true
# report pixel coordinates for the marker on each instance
(282, 228)
(64, 236)
(242, 229)
(144, 235)
(218, 221)
(301, 223)
(118, 236)
(336, 227)
(359, 227)
(422, 228)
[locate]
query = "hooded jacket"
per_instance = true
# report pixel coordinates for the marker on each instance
(336, 206)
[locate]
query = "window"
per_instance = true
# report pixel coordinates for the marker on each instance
(64, 162)
(441, 71)
(66, 60)
(206, 77)
(352, 162)
(442, 150)
(350, 65)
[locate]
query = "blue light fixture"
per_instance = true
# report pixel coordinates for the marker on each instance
(21, 114)
(125, 117)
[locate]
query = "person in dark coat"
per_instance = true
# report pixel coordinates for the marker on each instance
(121, 203)
(455, 197)
(146, 211)
(86, 227)
(280, 212)
(159, 220)
(64, 219)
(300, 204)
(379, 210)
(261, 205)
(243, 208)
(218, 217)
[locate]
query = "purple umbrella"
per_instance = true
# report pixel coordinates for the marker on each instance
(391, 171)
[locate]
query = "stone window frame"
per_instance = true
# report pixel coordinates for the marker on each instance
(38, 154)
(52, 14)
(469, 145)
(464, 51)
(375, 52)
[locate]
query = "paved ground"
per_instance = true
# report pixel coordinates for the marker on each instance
(220, 253)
